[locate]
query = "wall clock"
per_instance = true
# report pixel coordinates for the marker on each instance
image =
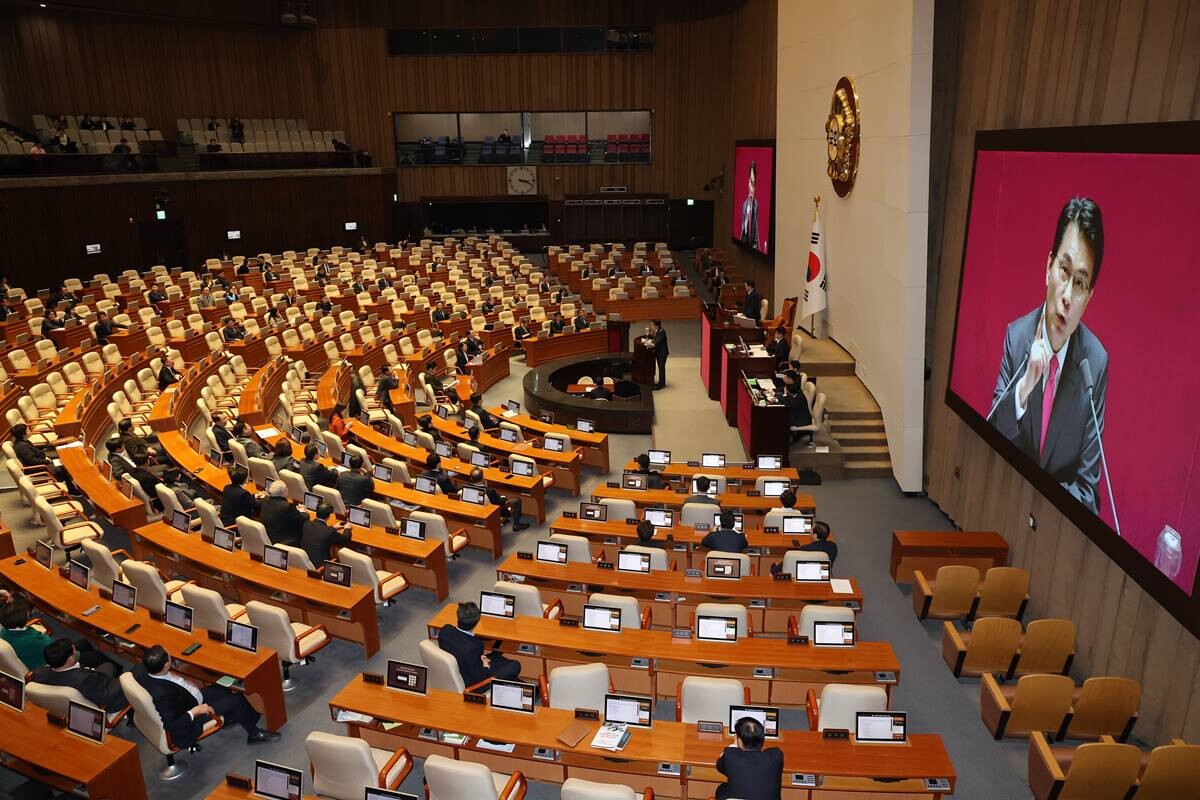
(843, 137)
(522, 180)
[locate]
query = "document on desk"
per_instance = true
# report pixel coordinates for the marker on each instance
(840, 586)
(499, 747)
(267, 433)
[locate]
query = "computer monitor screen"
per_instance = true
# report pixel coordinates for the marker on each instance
(224, 539)
(554, 552)
(596, 512)
(241, 635)
(738, 519)
(337, 573)
(601, 618)
(78, 574)
(495, 604)
(585, 425)
(469, 423)
(407, 677)
(180, 521)
(297, 435)
(425, 484)
(444, 450)
(796, 523)
(357, 515)
(659, 458)
(716, 629)
(322, 449)
(277, 782)
(711, 491)
(833, 634)
(43, 553)
(552, 444)
(769, 462)
(479, 459)
(346, 456)
(512, 695)
(410, 439)
(413, 529)
(660, 517)
(275, 557)
(382, 473)
(443, 412)
(513, 406)
(718, 567)
(311, 501)
(522, 468)
(631, 709)
(215, 458)
(812, 570)
(716, 460)
(124, 595)
(473, 494)
(766, 716)
(387, 794)
(633, 562)
(508, 435)
(774, 488)
(885, 727)
(12, 691)
(86, 721)
(178, 616)
(635, 480)
(351, 226)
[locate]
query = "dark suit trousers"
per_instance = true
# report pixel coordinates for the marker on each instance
(662, 369)
(233, 707)
(504, 668)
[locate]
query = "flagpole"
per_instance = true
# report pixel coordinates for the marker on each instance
(812, 318)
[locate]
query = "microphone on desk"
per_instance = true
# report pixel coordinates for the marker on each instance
(745, 347)
(1016, 374)
(1086, 368)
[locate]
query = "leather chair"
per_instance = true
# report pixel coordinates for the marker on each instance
(578, 686)
(577, 789)
(147, 720)
(702, 698)
(443, 669)
(384, 585)
(528, 600)
(840, 703)
(293, 642)
(450, 779)
(343, 765)
(632, 615)
(735, 610)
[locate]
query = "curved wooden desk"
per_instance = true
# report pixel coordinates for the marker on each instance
(594, 446)
(564, 345)
(738, 473)
(564, 466)
(755, 507)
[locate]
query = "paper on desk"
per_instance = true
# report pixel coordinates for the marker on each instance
(840, 586)
(267, 432)
(75, 443)
(345, 715)
(499, 747)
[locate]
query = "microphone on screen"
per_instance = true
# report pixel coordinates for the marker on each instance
(1090, 384)
(1016, 374)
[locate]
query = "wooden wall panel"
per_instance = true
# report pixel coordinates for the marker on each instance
(1042, 63)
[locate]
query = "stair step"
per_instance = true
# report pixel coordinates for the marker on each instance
(860, 438)
(855, 426)
(869, 453)
(868, 469)
(868, 414)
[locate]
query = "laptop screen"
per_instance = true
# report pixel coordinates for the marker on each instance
(277, 782)
(554, 552)
(766, 716)
(78, 574)
(660, 517)
(124, 595)
(513, 406)
(86, 721)
(812, 570)
(769, 462)
(631, 709)
(585, 425)
(796, 523)
(241, 635)
(659, 458)
(275, 557)
(715, 460)
(833, 634)
(407, 677)
(512, 695)
(410, 439)
(634, 480)
(508, 435)
(601, 618)
(387, 794)
(474, 494)
(425, 484)
(716, 629)
(382, 473)
(43, 553)
(546, 417)
(357, 515)
(633, 561)
(597, 512)
(522, 468)
(12, 691)
(494, 604)
(346, 456)
(337, 573)
(413, 529)
(774, 488)
(224, 539)
(180, 521)
(178, 616)
(311, 501)
(444, 450)
(717, 567)
(553, 445)
(889, 727)
(479, 459)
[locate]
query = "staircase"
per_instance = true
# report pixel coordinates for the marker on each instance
(864, 442)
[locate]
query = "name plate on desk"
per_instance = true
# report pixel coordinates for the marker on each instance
(216, 636)
(885, 676)
(524, 555)
(631, 520)
(757, 602)
(693, 463)
(703, 526)
(568, 622)
(477, 699)
(681, 633)
(708, 726)
(587, 713)
(835, 733)
(771, 529)
(797, 640)
(662, 597)
(527, 649)
(781, 576)
(692, 573)
(937, 784)
(612, 485)
(753, 493)
(373, 678)
(604, 565)
(570, 515)
(238, 781)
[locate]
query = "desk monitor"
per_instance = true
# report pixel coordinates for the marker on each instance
(495, 604)
(712, 488)
(346, 456)
(410, 439)
(297, 435)
(585, 425)
(224, 539)
(180, 521)
(767, 716)
(241, 635)
(716, 629)
(275, 557)
(833, 634)
(387, 794)
(774, 488)
(596, 512)
(413, 529)
(513, 406)
(522, 468)
(659, 458)
(311, 501)
(546, 417)
(178, 616)
(12, 692)
(718, 567)
(796, 523)
(357, 515)
(512, 695)
(635, 480)
(425, 484)
(86, 721)
(322, 448)
(508, 435)
(479, 459)
(276, 782)
(474, 495)
(881, 727)
(124, 595)
(78, 574)
(738, 519)
(713, 460)
(810, 571)
(351, 226)
(444, 450)
(337, 573)
(660, 517)
(553, 552)
(214, 457)
(602, 618)
(365, 417)
(469, 424)
(631, 709)
(443, 412)
(552, 444)
(382, 473)
(633, 561)
(194, 441)
(43, 553)
(769, 462)
(407, 677)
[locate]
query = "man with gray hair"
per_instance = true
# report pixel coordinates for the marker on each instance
(283, 521)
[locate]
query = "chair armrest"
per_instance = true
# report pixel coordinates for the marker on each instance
(391, 762)
(120, 552)
(1045, 776)
(812, 709)
(993, 707)
(793, 625)
(515, 788)
(302, 634)
(647, 617)
(922, 594)
(953, 648)
(550, 612)
(120, 715)
(475, 686)
(601, 556)
(544, 690)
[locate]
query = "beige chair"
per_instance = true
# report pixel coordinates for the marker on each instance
(578, 547)
(147, 720)
(384, 585)
(103, 562)
(840, 703)
(153, 591)
(435, 528)
(67, 535)
(253, 535)
(658, 556)
(443, 669)
(632, 616)
(951, 595)
(528, 602)
(578, 789)
(293, 642)
(990, 646)
(619, 509)
(1033, 703)
(1098, 771)
(702, 698)
(57, 700)
(210, 612)
(578, 686)
(735, 610)
(450, 779)
(816, 613)
(343, 765)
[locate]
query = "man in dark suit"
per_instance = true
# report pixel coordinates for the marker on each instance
(232, 332)
(167, 376)
(645, 534)
(557, 325)
(486, 418)
(145, 478)
(282, 520)
(703, 484)
(221, 434)
(752, 305)
(822, 544)
(134, 444)
(520, 332)
(779, 347)
(748, 229)
(314, 472)
(355, 485)
(99, 686)
(581, 322)
(509, 511)
(473, 664)
(185, 708)
(433, 469)
(156, 295)
(725, 538)
(440, 314)
(800, 414)
(1040, 402)
(118, 459)
(51, 322)
(474, 344)
(658, 340)
(318, 537)
(236, 501)
(751, 773)
(654, 477)
(105, 328)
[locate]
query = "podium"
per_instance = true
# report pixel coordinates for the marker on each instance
(717, 330)
(642, 369)
(735, 364)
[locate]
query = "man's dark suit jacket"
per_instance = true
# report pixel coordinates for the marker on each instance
(316, 474)
(120, 464)
(282, 520)
(780, 349)
(355, 487)
(51, 325)
(467, 651)
(752, 306)
(317, 539)
(1072, 450)
(443, 480)
(750, 774)
(146, 480)
(725, 540)
(223, 436)
(660, 344)
(167, 376)
(800, 412)
(105, 328)
(96, 687)
(486, 417)
(703, 498)
(827, 547)
(236, 502)
(556, 326)
(172, 702)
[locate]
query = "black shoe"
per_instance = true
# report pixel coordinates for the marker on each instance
(262, 737)
(520, 527)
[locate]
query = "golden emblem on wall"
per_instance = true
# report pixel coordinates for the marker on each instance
(843, 137)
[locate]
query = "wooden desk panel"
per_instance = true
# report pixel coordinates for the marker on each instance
(739, 473)
(110, 501)
(564, 345)
(929, 550)
(593, 445)
(633, 309)
(491, 370)
(730, 501)
(564, 466)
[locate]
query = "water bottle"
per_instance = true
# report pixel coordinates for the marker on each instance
(1168, 553)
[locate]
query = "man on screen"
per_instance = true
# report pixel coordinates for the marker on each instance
(1041, 398)
(749, 227)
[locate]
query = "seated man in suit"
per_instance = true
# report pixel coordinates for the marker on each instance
(145, 478)
(167, 376)
(822, 544)
(557, 325)
(801, 414)
(431, 379)
(232, 332)
(184, 707)
(581, 323)
(725, 538)
(221, 434)
(751, 773)
(314, 472)
(509, 511)
(779, 347)
(156, 295)
(241, 435)
(105, 328)
(486, 417)
(282, 520)
(236, 500)
(645, 534)
(99, 686)
(433, 469)
(135, 445)
(318, 537)
(703, 484)
(185, 494)
(520, 333)
(281, 455)
(354, 484)
(643, 461)
(118, 459)
(473, 664)
(787, 501)
(474, 344)
(51, 322)
(440, 314)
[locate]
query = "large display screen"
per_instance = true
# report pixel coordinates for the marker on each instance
(754, 195)
(1076, 342)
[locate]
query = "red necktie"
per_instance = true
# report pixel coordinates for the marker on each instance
(1048, 401)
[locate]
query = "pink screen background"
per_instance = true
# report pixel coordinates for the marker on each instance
(1143, 310)
(764, 181)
